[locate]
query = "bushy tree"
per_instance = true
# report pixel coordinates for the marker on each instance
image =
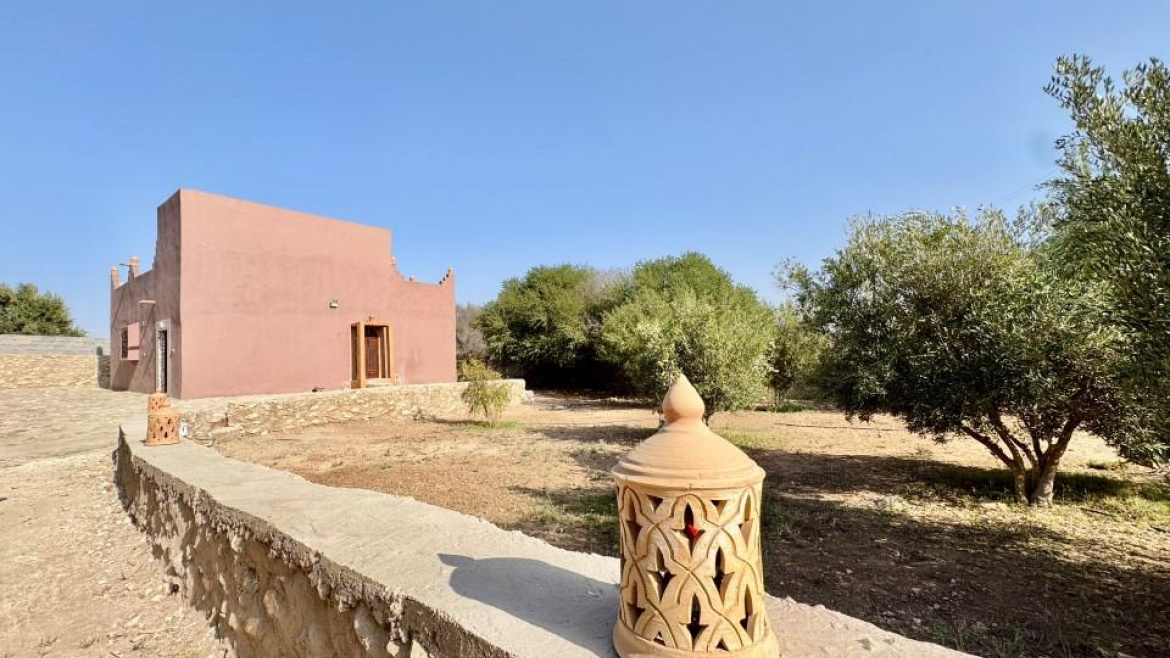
(26, 310)
(962, 327)
(683, 315)
(796, 349)
(484, 394)
(1113, 223)
(469, 342)
(543, 326)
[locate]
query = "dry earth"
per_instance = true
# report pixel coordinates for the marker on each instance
(76, 578)
(864, 518)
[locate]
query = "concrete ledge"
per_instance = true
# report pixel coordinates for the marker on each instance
(284, 567)
(257, 414)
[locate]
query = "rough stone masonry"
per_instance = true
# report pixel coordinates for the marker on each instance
(53, 361)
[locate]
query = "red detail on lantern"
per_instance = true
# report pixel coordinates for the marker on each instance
(692, 531)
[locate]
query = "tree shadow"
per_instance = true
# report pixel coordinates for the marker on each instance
(987, 580)
(586, 401)
(621, 434)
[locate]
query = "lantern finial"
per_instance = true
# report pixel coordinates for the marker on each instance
(682, 401)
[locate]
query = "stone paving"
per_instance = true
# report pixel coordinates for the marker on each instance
(52, 422)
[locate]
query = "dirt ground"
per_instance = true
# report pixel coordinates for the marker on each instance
(916, 537)
(54, 422)
(76, 578)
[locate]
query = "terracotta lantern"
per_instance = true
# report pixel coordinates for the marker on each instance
(156, 401)
(692, 583)
(162, 421)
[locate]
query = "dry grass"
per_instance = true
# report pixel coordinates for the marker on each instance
(916, 537)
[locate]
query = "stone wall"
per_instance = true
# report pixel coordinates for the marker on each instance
(208, 418)
(45, 370)
(45, 361)
(75, 345)
(284, 567)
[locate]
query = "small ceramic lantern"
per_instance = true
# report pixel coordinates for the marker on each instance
(692, 583)
(162, 421)
(156, 401)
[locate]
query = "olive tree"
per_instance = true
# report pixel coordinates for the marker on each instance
(796, 348)
(683, 315)
(1113, 223)
(961, 327)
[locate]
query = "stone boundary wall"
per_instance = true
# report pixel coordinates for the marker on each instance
(50, 370)
(209, 418)
(73, 345)
(51, 361)
(284, 567)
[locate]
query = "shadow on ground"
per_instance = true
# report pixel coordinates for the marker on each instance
(852, 533)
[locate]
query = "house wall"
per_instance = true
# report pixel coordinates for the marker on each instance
(160, 284)
(256, 284)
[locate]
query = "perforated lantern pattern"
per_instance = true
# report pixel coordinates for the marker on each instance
(156, 401)
(162, 421)
(691, 577)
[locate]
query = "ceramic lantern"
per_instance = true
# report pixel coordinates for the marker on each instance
(692, 582)
(156, 401)
(162, 421)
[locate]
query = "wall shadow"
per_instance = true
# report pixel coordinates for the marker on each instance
(575, 607)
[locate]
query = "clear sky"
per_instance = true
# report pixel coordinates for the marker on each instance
(493, 136)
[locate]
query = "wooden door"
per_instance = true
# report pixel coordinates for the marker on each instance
(373, 357)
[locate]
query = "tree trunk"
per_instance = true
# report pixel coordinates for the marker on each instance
(1044, 475)
(1044, 482)
(1020, 481)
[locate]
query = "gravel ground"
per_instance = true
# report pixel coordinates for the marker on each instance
(77, 579)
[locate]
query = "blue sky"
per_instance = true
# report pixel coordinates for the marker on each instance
(492, 136)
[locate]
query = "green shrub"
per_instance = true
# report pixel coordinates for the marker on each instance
(485, 393)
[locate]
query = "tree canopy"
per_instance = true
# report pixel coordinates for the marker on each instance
(27, 310)
(1113, 223)
(543, 326)
(962, 327)
(683, 315)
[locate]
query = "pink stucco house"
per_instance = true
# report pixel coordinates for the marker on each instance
(246, 298)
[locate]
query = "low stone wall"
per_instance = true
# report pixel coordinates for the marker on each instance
(47, 361)
(284, 567)
(45, 370)
(259, 414)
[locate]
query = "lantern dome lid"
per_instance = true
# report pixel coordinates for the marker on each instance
(685, 453)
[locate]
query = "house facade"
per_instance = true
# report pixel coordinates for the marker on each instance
(245, 298)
